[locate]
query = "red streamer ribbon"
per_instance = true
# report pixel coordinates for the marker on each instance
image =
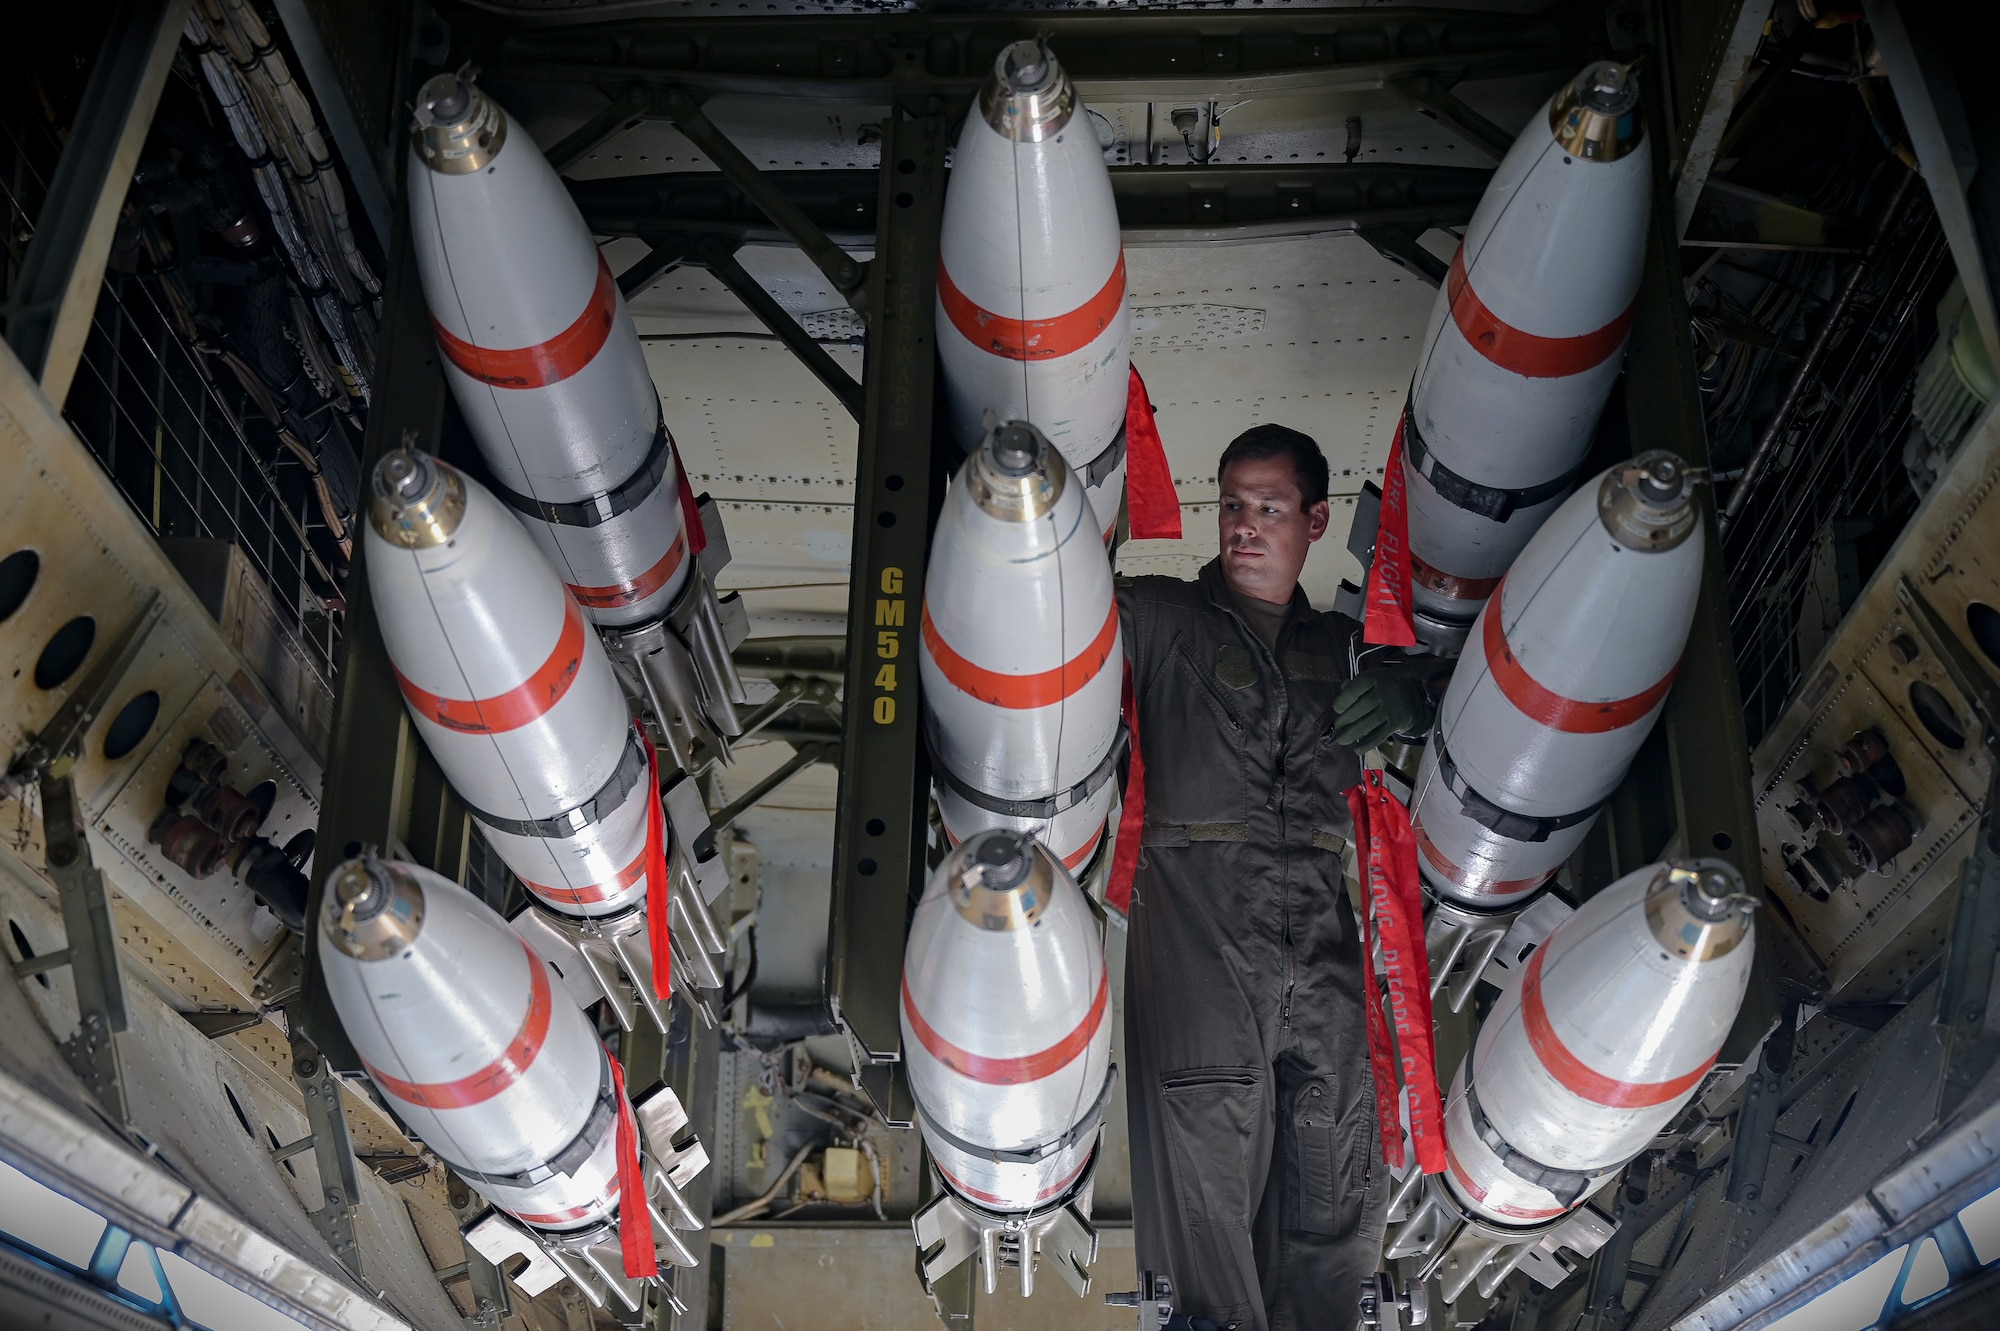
(1387, 618)
(1393, 916)
(1152, 504)
(635, 1225)
(657, 935)
(690, 511)
(1132, 814)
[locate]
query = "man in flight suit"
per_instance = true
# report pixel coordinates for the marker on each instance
(1257, 1181)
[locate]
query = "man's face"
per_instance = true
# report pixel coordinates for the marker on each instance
(1266, 528)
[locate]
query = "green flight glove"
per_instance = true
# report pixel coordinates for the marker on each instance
(1376, 704)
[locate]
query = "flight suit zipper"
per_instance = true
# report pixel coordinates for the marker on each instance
(1278, 804)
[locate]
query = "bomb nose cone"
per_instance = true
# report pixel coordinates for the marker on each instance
(1609, 88)
(1029, 97)
(1003, 859)
(415, 501)
(457, 128)
(1026, 66)
(1016, 448)
(1709, 912)
(1648, 504)
(444, 99)
(1661, 479)
(1592, 118)
(1002, 881)
(373, 911)
(1015, 475)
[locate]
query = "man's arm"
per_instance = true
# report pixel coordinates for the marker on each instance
(1127, 614)
(1395, 698)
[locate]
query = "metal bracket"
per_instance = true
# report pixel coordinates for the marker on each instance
(92, 954)
(848, 275)
(51, 750)
(1604, 1305)
(1434, 98)
(718, 255)
(216, 1024)
(806, 755)
(490, 1301)
(339, 1179)
(1972, 1046)
(682, 106)
(1756, 1129)
(1399, 245)
(1966, 986)
(879, 829)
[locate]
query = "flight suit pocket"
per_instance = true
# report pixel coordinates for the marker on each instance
(1211, 1117)
(1194, 737)
(1332, 1152)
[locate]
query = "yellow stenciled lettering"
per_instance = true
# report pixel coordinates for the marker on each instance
(892, 581)
(888, 645)
(889, 613)
(885, 710)
(885, 678)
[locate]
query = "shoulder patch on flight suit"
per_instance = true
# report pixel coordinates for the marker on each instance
(1234, 667)
(1306, 665)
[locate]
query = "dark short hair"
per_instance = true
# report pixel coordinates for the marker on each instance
(1280, 441)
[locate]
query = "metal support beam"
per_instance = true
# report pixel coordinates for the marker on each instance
(805, 756)
(689, 1061)
(1149, 55)
(1956, 138)
(370, 770)
(879, 830)
(1707, 751)
(1434, 99)
(316, 63)
(1739, 33)
(1756, 1126)
(661, 259)
(49, 312)
(340, 1181)
(1973, 954)
(92, 953)
(848, 275)
(716, 255)
(490, 1300)
(54, 748)
(1611, 1268)
(1156, 204)
(1399, 245)
(628, 110)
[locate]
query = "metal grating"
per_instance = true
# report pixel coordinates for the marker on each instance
(178, 407)
(186, 455)
(1829, 509)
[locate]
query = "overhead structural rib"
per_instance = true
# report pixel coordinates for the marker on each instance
(1155, 203)
(1157, 55)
